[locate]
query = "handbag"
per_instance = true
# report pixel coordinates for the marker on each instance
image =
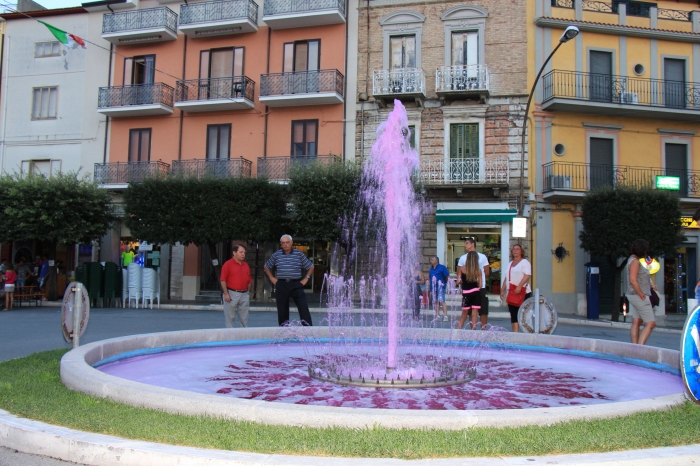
(513, 298)
(654, 298)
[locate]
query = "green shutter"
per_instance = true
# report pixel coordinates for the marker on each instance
(464, 141)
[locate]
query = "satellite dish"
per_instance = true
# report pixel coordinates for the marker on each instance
(548, 316)
(74, 292)
(690, 355)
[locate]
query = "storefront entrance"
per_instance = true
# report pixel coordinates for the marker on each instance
(488, 242)
(680, 277)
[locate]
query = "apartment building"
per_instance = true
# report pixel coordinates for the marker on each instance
(231, 88)
(460, 69)
(618, 105)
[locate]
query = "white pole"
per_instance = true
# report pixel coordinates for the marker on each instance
(536, 310)
(77, 313)
(6, 70)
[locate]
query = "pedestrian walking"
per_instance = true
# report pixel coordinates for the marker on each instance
(471, 289)
(289, 282)
(10, 279)
(236, 285)
(439, 275)
(469, 246)
(638, 291)
(518, 275)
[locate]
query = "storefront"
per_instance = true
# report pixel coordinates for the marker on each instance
(680, 269)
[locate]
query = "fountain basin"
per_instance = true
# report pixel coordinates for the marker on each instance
(78, 374)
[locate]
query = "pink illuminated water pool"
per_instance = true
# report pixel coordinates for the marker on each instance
(505, 379)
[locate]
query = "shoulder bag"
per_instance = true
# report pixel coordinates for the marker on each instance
(513, 298)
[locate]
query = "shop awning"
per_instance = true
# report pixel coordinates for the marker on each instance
(476, 216)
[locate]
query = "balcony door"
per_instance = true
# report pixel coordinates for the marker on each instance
(464, 163)
(402, 54)
(465, 57)
(601, 170)
(302, 60)
(218, 142)
(674, 83)
(677, 165)
(140, 145)
(139, 72)
(220, 73)
(304, 139)
(600, 80)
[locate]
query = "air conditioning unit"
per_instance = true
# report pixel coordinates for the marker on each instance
(559, 182)
(629, 98)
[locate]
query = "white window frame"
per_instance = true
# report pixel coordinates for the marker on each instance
(44, 44)
(28, 166)
(402, 23)
(465, 18)
(482, 147)
(48, 116)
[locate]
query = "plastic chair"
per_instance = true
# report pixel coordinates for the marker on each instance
(134, 271)
(150, 287)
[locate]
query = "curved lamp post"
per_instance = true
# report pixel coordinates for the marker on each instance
(569, 33)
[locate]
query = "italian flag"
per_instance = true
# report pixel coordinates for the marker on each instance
(70, 40)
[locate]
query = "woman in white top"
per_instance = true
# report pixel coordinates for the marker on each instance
(520, 271)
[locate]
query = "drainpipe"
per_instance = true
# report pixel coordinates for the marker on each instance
(184, 61)
(109, 83)
(345, 84)
(267, 71)
(4, 108)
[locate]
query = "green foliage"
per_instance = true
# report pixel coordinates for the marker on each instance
(321, 195)
(61, 209)
(201, 211)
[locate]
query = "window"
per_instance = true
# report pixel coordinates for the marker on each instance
(47, 49)
(140, 70)
(465, 48)
(304, 137)
(140, 145)
(45, 168)
(464, 141)
(220, 63)
(218, 142)
(412, 136)
(44, 103)
(304, 55)
(403, 52)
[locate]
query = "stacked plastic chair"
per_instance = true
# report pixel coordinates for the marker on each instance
(150, 287)
(134, 283)
(125, 286)
(95, 272)
(112, 282)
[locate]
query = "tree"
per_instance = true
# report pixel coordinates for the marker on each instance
(321, 194)
(614, 218)
(62, 209)
(207, 211)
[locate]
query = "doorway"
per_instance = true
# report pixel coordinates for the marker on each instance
(674, 82)
(676, 279)
(488, 242)
(600, 80)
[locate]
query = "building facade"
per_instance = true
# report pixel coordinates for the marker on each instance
(618, 105)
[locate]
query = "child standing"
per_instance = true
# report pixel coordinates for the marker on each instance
(471, 289)
(10, 279)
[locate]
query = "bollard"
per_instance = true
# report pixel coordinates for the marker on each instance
(77, 314)
(536, 310)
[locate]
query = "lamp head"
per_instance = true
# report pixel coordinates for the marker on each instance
(569, 33)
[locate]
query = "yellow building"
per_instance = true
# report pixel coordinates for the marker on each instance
(619, 104)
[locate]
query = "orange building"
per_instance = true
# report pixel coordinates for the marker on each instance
(231, 87)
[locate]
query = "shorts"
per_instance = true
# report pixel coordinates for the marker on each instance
(441, 295)
(484, 311)
(471, 299)
(9, 288)
(641, 309)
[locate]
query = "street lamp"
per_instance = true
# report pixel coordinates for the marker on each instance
(569, 33)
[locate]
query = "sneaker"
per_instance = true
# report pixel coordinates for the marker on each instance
(445, 318)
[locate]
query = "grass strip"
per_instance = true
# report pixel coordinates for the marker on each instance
(30, 387)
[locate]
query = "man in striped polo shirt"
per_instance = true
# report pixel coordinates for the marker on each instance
(289, 282)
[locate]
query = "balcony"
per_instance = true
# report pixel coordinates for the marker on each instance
(215, 94)
(120, 174)
(278, 168)
(492, 171)
(285, 14)
(462, 82)
(571, 91)
(213, 168)
(640, 9)
(219, 18)
(571, 180)
(321, 87)
(134, 27)
(398, 83)
(136, 100)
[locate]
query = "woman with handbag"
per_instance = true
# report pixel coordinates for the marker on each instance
(515, 287)
(639, 293)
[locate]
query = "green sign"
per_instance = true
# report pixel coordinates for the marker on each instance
(672, 183)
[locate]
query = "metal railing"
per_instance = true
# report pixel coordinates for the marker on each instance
(676, 15)
(206, 12)
(140, 19)
(278, 168)
(487, 170)
(213, 168)
(573, 176)
(302, 82)
(281, 7)
(620, 90)
(462, 78)
(233, 87)
(398, 81)
(129, 172)
(563, 3)
(135, 94)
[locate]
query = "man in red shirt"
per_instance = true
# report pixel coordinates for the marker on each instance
(236, 285)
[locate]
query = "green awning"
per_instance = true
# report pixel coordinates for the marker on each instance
(476, 216)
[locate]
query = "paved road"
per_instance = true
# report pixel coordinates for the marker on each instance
(31, 330)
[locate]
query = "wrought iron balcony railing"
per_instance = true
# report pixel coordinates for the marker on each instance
(149, 18)
(233, 87)
(213, 168)
(463, 78)
(572, 176)
(205, 12)
(471, 171)
(135, 94)
(302, 82)
(620, 90)
(278, 168)
(129, 172)
(285, 7)
(398, 81)
(642, 9)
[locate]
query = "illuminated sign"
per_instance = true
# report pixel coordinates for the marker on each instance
(652, 266)
(671, 183)
(688, 222)
(519, 227)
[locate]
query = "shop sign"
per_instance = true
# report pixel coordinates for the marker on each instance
(688, 222)
(670, 183)
(652, 265)
(519, 227)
